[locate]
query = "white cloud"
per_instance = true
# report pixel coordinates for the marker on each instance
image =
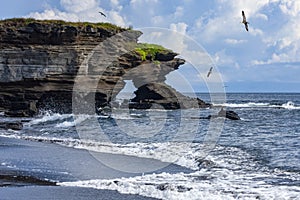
(199, 23)
(256, 32)
(275, 59)
(77, 6)
(175, 38)
(283, 58)
(271, 44)
(289, 7)
(115, 4)
(234, 41)
(273, 37)
(164, 19)
(143, 13)
(221, 58)
(179, 11)
(116, 18)
(156, 20)
(54, 14)
(262, 16)
(285, 41)
(250, 7)
(82, 10)
(172, 38)
(179, 27)
(224, 21)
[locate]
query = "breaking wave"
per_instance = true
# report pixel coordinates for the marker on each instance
(223, 178)
(289, 105)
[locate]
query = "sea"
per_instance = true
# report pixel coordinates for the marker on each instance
(257, 157)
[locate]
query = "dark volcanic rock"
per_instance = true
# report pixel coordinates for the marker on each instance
(165, 56)
(164, 96)
(229, 114)
(14, 178)
(11, 125)
(49, 64)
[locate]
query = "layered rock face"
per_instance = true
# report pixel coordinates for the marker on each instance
(46, 65)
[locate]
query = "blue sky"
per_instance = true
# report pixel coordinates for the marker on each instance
(265, 59)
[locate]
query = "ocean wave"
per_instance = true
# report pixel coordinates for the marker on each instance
(215, 183)
(225, 178)
(72, 122)
(180, 153)
(49, 117)
(61, 120)
(126, 116)
(67, 120)
(190, 155)
(171, 152)
(289, 105)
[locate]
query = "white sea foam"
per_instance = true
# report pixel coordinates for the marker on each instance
(183, 154)
(232, 175)
(289, 105)
(65, 124)
(243, 105)
(122, 116)
(7, 165)
(224, 179)
(48, 117)
(217, 183)
(78, 119)
(166, 152)
(64, 120)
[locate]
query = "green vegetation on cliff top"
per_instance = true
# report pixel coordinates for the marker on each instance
(26, 21)
(145, 49)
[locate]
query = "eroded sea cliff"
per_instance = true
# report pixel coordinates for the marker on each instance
(47, 64)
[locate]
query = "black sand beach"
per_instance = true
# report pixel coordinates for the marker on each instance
(62, 193)
(31, 170)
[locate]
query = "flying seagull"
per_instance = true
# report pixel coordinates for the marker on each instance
(209, 72)
(102, 14)
(245, 20)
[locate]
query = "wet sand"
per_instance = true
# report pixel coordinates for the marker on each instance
(63, 193)
(31, 170)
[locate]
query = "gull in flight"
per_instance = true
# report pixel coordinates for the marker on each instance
(102, 14)
(245, 20)
(209, 72)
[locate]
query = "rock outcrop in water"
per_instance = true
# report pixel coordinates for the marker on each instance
(157, 95)
(229, 114)
(17, 125)
(46, 64)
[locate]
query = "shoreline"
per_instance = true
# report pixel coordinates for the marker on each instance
(31, 170)
(17, 179)
(64, 193)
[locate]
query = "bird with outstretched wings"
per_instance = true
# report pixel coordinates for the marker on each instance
(102, 14)
(209, 72)
(245, 20)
